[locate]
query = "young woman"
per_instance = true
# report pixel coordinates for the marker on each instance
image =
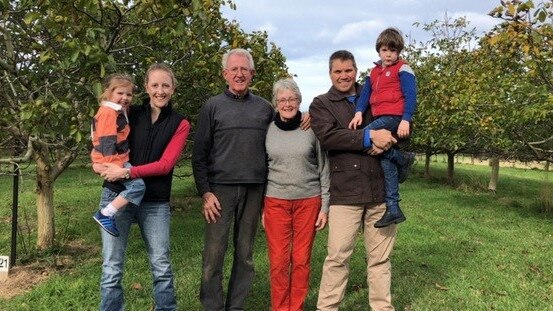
(157, 139)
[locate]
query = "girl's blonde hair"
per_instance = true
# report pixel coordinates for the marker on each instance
(114, 81)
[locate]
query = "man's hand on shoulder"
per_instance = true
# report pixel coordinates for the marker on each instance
(305, 121)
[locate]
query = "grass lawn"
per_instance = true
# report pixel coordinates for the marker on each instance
(461, 247)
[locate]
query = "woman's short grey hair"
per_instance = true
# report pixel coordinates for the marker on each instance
(240, 52)
(286, 84)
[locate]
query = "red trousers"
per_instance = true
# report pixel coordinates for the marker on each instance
(290, 231)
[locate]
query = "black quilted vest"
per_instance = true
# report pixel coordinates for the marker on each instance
(147, 143)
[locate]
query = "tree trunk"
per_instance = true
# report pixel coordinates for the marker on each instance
(45, 199)
(45, 212)
(494, 163)
(47, 171)
(546, 198)
(450, 166)
(427, 158)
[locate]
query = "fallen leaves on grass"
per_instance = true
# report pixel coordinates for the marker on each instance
(441, 287)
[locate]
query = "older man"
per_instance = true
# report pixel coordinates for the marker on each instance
(356, 189)
(230, 170)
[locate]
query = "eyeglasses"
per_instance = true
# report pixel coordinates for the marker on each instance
(292, 100)
(236, 70)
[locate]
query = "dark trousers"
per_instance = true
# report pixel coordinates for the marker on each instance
(241, 203)
(390, 159)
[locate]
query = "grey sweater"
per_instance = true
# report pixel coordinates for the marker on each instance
(229, 144)
(298, 167)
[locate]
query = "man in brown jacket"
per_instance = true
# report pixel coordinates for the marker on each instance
(356, 189)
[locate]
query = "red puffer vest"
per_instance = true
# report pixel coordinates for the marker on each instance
(386, 96)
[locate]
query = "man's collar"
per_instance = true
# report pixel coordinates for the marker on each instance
(234, 96)
(335, 95)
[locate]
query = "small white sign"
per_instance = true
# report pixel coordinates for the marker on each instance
(4, 266)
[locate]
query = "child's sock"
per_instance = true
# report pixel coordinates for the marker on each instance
(109, 210)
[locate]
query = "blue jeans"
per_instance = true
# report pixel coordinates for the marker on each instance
(390, 159)
(134, 188)
(153, 218)
(241, 205)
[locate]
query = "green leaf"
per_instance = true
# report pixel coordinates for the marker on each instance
(97, 89)
(30, 17)
(26, 115)
(75, 55)
(44, 56)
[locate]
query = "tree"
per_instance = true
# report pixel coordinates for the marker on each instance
(525, 37)
(54, 55)
(445, 119)
(480, 98)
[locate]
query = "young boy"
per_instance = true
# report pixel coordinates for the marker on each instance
(110, 129)
(390, 89)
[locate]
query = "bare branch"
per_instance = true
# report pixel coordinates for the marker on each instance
(7, 40)
(7, 67)
(542, 153)
(535, 143)
(142, 46)
(149, 22)
(15, 131)
(62, 164)
(87, 14)
(116, 28)
(23, 158)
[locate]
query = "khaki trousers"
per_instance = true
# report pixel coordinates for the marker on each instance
(344, 221)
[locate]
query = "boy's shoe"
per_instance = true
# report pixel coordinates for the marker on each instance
(392, 215)
(107, 223)
(403, 171)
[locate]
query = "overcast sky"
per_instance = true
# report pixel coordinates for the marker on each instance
(308, 31)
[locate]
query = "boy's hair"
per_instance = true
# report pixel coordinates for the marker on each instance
(390, 38)
(114, 81)
(162, 67)
(342, 55)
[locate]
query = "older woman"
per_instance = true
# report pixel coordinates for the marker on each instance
(296, 199)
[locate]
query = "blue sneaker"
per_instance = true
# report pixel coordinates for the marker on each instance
(107, 223)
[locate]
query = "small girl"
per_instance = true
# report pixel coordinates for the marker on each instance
(110, 129)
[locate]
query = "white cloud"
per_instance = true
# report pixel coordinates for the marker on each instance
(269, 28)
(358, 30)
(323, 34)
(309, 31)
(312, 77)
(482, 22)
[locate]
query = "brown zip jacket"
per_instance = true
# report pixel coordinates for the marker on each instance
(355, 176)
